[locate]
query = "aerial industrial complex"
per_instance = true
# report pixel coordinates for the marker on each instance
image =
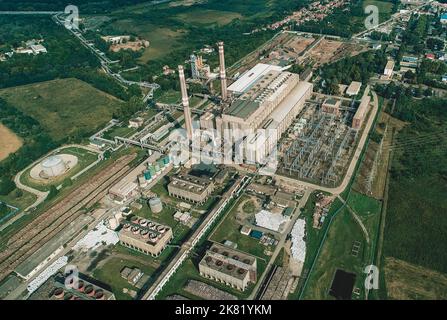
(223, 193)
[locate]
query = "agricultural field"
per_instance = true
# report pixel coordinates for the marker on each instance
(405, 281)
(65, 108)
(9, 143)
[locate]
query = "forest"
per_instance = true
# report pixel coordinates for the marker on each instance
(416, 219)
(358, 68)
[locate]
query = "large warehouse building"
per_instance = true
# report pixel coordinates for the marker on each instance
(228, 266)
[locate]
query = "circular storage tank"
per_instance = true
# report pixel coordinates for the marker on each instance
(53, 166)
(156, 205)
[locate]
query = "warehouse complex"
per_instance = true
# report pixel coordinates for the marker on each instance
(228, 266)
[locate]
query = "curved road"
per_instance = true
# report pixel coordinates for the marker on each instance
(41, 196)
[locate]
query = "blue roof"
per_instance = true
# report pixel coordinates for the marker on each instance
(256, 234)
(444, 16)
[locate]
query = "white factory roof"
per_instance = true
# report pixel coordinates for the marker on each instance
(289, 102)
(250, 77)
(298, 243)
(354, 88)
(269, 220)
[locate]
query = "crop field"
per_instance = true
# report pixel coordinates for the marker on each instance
(63, 107)
(9, 142)
(405, 281)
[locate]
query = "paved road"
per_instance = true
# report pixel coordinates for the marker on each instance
(281, 242)
(351, 169)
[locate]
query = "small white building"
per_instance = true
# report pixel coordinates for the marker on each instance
(38, 49)
(136, 122)
(389, 68)
(354, 88)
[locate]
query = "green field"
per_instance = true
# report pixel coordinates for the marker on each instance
(209, 17)
(63, 107)
(109, 273)
(336, 251)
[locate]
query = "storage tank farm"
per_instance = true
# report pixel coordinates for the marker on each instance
(155, 168)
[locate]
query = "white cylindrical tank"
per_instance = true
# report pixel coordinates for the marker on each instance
(156, 205)
(53, 166)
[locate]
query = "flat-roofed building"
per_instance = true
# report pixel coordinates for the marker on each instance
(253, 107)
(331, 106)
(354, 88)
(389, 68)
(250, 77)
(145, 236)
(191, 188)
(362, 111)
(231, 267)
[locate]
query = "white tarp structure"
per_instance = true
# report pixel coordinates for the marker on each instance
(47, 273)
(298, 243)
(97, 237)
(271, 221)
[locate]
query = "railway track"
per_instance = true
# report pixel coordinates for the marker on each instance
(46, 226)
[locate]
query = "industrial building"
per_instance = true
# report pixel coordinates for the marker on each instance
(188, 187)
(331, 106)
(145, 236)
(362, 111)
(81, 289)
(389, 68)
(228, 266)
(354, 88)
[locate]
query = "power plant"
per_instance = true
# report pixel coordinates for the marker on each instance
(223, 73)
(185, 102)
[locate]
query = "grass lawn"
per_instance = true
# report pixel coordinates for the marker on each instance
(63, 107)
(170, 97)
(109, 273)
(119, 131)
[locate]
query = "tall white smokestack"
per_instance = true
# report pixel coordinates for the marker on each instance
(223, 74)
(185, 102)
